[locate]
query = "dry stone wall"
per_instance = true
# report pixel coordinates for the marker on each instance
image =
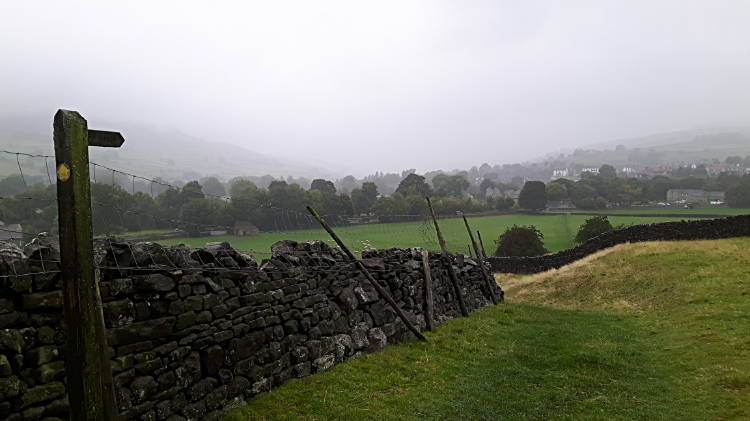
(193, 334)
(734, 226)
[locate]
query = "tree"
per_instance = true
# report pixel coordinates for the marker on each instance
(592, 227)
(191, 190)
(556, 191)
(242, 187)
(454, 185)
(323, 185)
(607, 171)
(737, 195)
(364, 197)
(533, 196)
(733, 160)
(520, 241)
(414, 184)
(581, 192)
(213, 187)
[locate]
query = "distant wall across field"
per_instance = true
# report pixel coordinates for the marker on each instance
(733, 226)
(193, 333)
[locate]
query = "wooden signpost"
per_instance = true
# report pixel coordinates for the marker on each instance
(90, 386)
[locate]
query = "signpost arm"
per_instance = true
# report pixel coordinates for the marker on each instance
(86, 351)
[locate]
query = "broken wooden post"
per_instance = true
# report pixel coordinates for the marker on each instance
(90, 386)
(448, 261)
(482, 244)
(430, 314)
(481, 264)
(383, 293)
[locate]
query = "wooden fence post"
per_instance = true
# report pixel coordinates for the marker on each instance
(482, 244)
(383, 293)
(447, 259)
(430, 316)
(89, 375)
(481, 263)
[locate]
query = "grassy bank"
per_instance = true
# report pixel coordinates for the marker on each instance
(647, 331)
(558, 231)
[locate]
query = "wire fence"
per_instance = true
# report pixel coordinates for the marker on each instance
(177, 222)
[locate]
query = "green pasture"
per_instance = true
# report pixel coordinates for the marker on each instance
(558, 231)
(649, 331)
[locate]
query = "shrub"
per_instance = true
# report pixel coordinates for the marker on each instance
(520, 241)
(592, 227)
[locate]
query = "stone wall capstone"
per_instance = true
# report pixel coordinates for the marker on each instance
(192, 334)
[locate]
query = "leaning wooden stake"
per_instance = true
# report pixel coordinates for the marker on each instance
(90, 386)
(482, 244)
(430, 319)
(481, 264)
(447, 259)
(383, 293)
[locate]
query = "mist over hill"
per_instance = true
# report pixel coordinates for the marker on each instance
(151, 152)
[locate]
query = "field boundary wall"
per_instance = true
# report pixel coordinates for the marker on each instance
(729, 227)
(190, 339)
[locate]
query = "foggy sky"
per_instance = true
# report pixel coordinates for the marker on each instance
(384, 86)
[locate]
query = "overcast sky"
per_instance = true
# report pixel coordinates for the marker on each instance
(384, 85)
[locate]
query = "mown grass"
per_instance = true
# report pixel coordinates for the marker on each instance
(648, 331)
(558, 231)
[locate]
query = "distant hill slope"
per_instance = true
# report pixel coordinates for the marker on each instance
(149, 152)
(694, 145)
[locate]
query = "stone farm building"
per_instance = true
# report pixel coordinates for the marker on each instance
(245, 228)
(692, 195)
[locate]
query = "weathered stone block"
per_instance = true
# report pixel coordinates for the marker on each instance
(41, 393)
(141, 331)
(323, 363)
(155, 282)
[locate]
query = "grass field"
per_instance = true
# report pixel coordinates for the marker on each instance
(558, 231)
(647, 331)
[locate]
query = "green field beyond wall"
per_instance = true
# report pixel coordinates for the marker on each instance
(558, 231)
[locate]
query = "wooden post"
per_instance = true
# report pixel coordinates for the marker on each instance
(383, 293)
(90, 386)
(430, 314)
(482, 244)
(481, 264)
(447, 259)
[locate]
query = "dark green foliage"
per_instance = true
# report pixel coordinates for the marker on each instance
(533, 196)
(363, 198)
(520, 241)
(454, 185)
(414, 184)
(556, 191)
(737, 195)
(607, 171)
(240, 187)
(592, 228)
(213, 187)
(323, 185)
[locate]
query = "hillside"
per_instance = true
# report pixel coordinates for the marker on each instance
(695, 145)
(150, 152)
(641, 331)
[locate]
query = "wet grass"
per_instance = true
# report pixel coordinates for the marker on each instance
(647, 331)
